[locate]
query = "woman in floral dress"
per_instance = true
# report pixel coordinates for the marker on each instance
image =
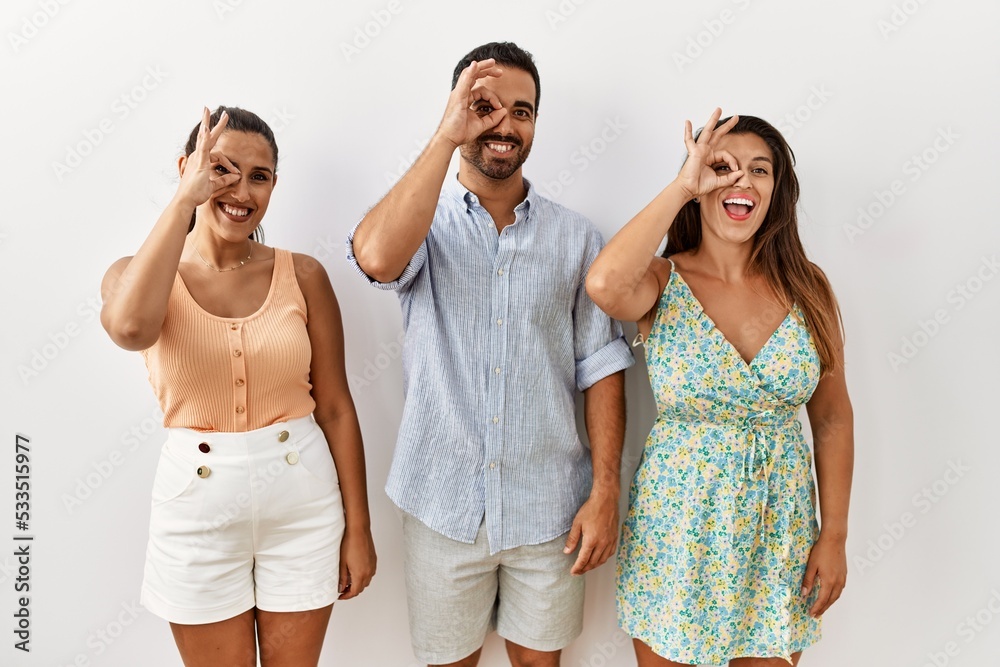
(722, 559)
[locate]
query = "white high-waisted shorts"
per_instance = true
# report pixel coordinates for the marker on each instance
(243, 520)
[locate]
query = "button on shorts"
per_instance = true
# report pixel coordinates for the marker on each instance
(457, 593)
(243, 520)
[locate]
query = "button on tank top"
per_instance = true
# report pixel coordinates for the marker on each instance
(234, 374)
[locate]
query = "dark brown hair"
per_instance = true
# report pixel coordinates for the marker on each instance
(777, 252)
(504, 53)
(240, 120)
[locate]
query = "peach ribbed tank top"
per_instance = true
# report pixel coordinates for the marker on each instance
(234, 374)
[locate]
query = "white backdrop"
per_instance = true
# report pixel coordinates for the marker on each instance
(887, 103)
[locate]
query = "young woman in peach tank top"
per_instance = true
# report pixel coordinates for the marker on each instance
(259, 507)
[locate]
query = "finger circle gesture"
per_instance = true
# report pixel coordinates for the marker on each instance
(206, 170)
(699, 176)
(472, 110)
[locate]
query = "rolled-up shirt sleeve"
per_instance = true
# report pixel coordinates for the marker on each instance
(600, 347)
(403, 281)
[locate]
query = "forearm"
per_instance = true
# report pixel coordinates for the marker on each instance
(135, 303)
(833, 444)
(604, 415)
(623, 263)
(391, 232)
(343, 433)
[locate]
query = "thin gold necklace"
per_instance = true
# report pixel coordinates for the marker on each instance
(243, 262)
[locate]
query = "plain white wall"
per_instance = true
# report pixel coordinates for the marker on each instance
(888, 105)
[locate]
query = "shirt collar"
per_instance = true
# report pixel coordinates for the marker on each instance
(454, 188)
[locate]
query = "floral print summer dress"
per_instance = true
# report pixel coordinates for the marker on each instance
(722, 507)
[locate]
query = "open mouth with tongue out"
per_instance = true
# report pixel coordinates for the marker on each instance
(738, 207)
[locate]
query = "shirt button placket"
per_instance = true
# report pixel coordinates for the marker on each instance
(497, 387)
(234, 331)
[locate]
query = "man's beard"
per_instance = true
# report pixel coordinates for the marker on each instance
(495, 168)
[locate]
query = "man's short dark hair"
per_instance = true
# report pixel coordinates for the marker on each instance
(508, 54)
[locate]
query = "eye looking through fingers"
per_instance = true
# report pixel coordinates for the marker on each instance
(483, 109)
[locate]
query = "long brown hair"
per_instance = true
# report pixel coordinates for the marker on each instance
(777, 252)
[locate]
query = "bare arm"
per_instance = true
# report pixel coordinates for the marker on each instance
(391, 232)
(336, 416)
(832, 420)
(596, 524)
(135, 289)
(621, 280)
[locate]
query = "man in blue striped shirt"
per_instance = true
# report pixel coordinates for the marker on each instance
(503, 507)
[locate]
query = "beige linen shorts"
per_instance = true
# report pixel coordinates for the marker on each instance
(457, 593)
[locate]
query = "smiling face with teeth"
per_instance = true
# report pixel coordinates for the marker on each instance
(735, 213)
(499, 152)
(234, 212)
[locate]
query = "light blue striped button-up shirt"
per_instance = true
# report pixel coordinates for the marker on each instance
(500, 334)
